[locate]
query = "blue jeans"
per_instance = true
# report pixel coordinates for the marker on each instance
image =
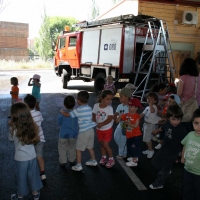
(28, 173)
(120, 140)
(191, 183)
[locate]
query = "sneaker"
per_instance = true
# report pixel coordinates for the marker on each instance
(158, 135)
(63, 164)
(91, 163)
(154, 138)
(131, 164)
(103, 161)
(130, 159)
(43, 177)
(77, 167)
(110, 163)
(155, 187)
(36, 196)
(120, 157)
(158, 146)
(150, 154)
(15, 197)
(145, 152)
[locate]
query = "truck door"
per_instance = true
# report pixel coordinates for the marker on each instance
(60, 51)
(71, 51)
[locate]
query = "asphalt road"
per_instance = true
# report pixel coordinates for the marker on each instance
(97, 183)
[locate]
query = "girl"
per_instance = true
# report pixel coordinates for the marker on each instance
(119, 137)
(14, 89)
(36, 89)
(103, 116)
(25, 135)
(133, 132)
(110, 85)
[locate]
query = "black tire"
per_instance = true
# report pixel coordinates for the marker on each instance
(65, 78)
(99, 82)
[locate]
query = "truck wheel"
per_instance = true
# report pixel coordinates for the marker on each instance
(99, 82)
(65, 79)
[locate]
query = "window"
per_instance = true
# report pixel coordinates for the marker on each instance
(72, 41)
(62, 43)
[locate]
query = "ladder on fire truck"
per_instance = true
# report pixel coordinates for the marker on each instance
(156, 50)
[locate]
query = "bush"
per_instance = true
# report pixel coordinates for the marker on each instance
(32, 64)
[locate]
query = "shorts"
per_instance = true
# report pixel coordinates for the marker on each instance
(13, 101)
(147, 131)
(85, 140)
(104, 135)
(39, 149)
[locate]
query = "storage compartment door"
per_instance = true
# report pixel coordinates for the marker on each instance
(110, 46)
(90, 46)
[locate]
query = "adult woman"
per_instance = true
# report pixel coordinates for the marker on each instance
(186, 86)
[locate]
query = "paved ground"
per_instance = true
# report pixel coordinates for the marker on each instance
(97, 183)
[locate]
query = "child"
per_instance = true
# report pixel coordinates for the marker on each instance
(168, 153)
(85, 137)
(103, 116)
(120, 139)
(172, 99)
(14, 89)
(25, 134)
(109, 85)
(37, 117)
(131, 87)
(14, 94)
(68, 134)
(150, 121)
(133, 132)
(191, 160)
(36, 89)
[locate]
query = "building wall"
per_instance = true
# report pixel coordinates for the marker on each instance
(14, 41)
(183, 37)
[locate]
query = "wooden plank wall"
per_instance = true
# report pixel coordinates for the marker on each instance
(180, 33)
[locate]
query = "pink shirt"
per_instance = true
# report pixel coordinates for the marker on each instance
(189, 88)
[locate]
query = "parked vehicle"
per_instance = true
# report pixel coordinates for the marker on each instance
(104, 47)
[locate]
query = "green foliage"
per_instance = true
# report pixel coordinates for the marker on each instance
(49, 31)
(95, 10)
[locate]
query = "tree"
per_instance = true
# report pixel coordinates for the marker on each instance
(4, 4)
(49, 31)
(95, 10)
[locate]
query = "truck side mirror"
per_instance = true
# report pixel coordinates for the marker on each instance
(54, 45)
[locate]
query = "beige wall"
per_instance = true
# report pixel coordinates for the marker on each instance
(180, 33)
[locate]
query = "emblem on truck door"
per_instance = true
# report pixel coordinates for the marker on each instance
(105, 46)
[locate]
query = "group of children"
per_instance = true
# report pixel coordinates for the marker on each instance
(77, 133)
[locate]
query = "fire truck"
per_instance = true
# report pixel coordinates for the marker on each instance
(115, 46)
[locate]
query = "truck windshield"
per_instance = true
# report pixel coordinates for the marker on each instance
(61, 43)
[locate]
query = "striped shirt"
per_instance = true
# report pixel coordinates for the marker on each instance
(84, 115)
(37, 117)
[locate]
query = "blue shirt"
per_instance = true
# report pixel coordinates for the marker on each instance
(84, 115)
(36, 91)
(68, 126)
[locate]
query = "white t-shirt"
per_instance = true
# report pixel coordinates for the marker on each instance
(102, 114)
(37, 117)
(149, 117)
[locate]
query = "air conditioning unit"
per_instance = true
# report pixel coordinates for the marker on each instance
(190, 17)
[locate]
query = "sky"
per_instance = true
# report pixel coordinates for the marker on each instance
(31, 11)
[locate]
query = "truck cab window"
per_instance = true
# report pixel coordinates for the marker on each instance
(62, 43)
(72, 41)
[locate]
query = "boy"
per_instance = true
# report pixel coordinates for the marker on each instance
(122, 108)
(133, 132)
(191, 159)
(85, 137)
(68, 134)
(168, 153)
(150, 121)
(37, 117)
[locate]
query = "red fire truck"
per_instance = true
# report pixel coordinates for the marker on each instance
(105, 47)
